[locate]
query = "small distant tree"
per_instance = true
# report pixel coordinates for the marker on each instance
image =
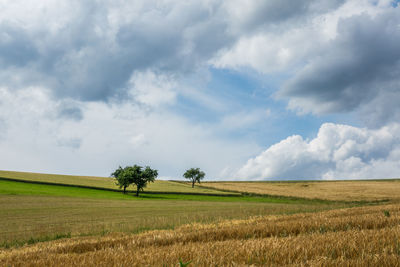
(194, 174)
(134, 175)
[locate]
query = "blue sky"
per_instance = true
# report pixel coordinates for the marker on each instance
(245, 92)
(254, 90)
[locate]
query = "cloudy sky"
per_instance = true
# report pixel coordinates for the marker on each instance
(245, 90)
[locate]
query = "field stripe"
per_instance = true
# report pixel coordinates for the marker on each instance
(119, 190)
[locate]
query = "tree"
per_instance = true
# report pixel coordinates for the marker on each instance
(142, 177)
(134, 175)
(194, 174)
(122, 177)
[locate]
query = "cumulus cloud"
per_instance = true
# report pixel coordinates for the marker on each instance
(274, 35)
(335, 58)
(106, 135)
(88, 51)
(267, 52)
(92, 51)
(338, 152)
(361, 63)
(253, 16)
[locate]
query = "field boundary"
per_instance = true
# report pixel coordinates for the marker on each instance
(119, 190)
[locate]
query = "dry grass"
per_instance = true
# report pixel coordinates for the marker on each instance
(105, 182)
(330, 190)
(366, 236)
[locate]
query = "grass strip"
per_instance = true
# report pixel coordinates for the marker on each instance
(9, 187)
(115, 190)
(19, 187)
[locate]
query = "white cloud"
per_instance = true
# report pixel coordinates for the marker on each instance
(89, 50)
(275, 36)
(96, 51)
(336, 57)
(270, 52)
(338, 152)
(151, 89)
(355, 69)
(279, 36)
(105, 136)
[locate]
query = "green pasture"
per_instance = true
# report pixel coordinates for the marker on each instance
(106, 182)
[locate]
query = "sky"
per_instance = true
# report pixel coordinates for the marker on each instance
(244, 90)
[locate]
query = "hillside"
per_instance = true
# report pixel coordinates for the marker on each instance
(105, 182)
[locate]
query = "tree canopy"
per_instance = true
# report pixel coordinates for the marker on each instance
(134, 175)
(194, 174)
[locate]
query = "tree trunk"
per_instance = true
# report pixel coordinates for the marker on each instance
(124, 189)
(137, 191)
(193, 183)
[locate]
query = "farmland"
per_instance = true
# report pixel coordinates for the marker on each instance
(361, 236)
(87, 226)
(39, 211)
(331, 190)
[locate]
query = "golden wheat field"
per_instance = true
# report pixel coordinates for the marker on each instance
(331, 190)
(361, 236)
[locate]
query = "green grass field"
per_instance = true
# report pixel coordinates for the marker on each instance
(106, 182)
(38, 212)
